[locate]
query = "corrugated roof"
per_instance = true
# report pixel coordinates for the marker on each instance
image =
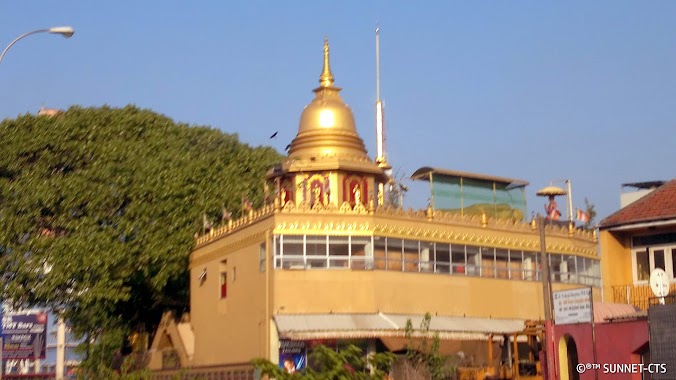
(314, 326)
(658, 205)
(604, 311)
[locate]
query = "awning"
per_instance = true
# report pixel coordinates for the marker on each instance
(350, 326)
(423, 174)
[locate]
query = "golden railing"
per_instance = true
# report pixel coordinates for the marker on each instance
(442, 217)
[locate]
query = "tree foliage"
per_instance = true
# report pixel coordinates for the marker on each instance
(590, 209)
(424, 355)
(347, 363)
(98, 208)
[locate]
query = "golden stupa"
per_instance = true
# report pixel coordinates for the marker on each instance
(327, 137)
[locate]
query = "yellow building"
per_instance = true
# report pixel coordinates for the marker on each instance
(328, 260)
(637, 239)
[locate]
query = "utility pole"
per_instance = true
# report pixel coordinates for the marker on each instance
(60, 349)
(544, 269)
(550, 372)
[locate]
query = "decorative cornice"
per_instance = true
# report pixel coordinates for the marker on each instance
(429, 225)
(254, 216)
(232, 244)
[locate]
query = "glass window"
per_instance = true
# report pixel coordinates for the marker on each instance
(443, 258)
(501, 263)
(658, 255)
(316, 249)
(411, 254)
(515, 264)
(530, 266)
(426, 257)
(339, 251)
(380, 252)
(458, 258)
(292, 245)
(361, 252)
(555, 266)
(642, 265)
(473, 260)
(487, 262)
(261, 258)
(277, 251)
(568, 271)
(224, 285)
(291, 252)
(394, 256)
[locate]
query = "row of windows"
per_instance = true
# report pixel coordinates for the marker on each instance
(383, 253)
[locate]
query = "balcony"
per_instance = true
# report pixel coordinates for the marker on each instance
(640, 296)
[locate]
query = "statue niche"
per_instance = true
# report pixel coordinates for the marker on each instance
(319, 190)
(355, 190)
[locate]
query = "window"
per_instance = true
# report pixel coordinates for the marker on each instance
(224, 285)
(502, 263)
(658, 259)
(473, 260)
(487, 262)
(653, 251)
(261, 258)
(645, 260)
(458, 258)
(224, 279)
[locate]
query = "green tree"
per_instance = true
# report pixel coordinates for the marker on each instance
(98, 208)
(590, 209)
(424, 356)
(329, 364)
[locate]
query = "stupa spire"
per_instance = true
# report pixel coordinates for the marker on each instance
(326, 78)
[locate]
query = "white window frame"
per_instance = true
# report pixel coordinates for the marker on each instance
(668, 261)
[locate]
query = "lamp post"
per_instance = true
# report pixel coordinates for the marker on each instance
(65, 31)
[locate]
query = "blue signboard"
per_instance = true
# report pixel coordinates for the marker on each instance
(292, 355)
(24, 335)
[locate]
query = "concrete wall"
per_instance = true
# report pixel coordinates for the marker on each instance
(581, 334)
(353, 291)
(616, 343)
(620, 343)
(616, 263)
(234, 329)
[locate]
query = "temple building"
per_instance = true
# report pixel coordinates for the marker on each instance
(329, 260)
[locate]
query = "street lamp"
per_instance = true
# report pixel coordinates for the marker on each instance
(65, 31)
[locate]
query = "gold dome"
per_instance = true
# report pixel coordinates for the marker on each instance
(327, 128)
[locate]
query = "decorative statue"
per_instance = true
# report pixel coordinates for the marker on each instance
(552, 209)
(357, 194)
(283, 200)
(317, 192)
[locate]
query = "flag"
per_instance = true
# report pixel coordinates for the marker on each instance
(225, 214)
(582, 216)
(206, 224)
(246, 204)
(266, 193)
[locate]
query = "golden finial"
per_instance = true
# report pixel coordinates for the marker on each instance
(326, 79)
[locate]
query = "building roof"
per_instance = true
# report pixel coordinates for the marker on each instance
(604, 311)
(644, 185)
(424, 173)
(318, 326)
(658, 205)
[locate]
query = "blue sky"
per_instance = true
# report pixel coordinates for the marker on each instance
(524, 89)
